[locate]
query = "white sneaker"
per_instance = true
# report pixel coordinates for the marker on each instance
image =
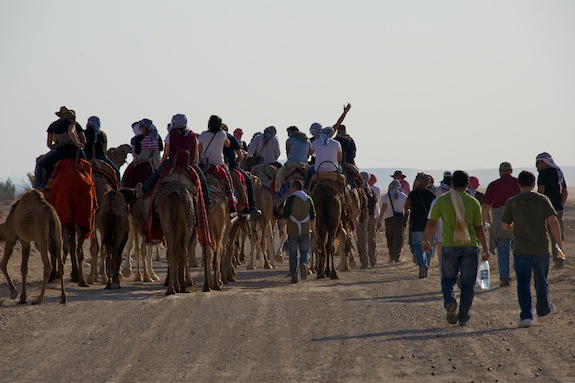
(545, 317)
(525, 323)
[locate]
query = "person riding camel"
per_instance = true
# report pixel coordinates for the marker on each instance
(266, 146)
(97, 144)
(66, 139)
(146, 147)
(232, 155)
(327, 151)
(347, 145)
(211, 149)
(180, 138)
(297, 151)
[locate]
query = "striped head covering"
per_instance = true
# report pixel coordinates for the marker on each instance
(326, 134)
(546, 157)
(94, 122)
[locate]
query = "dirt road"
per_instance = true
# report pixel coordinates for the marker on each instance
(382, 324)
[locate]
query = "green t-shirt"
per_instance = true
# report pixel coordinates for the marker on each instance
(528, 212)
(443, 209)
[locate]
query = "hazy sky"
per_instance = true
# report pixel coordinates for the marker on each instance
(450, 84)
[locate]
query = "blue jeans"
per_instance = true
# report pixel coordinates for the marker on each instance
(455, 260)
(523, 265)
(301, 243)
(422, 257)
(503, 251)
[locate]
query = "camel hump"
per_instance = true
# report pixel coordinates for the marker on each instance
(183, 177)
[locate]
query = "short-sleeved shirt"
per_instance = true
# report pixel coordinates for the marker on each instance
(230, 152)
(212, 153)
(500, 190)
(528, 212)
(298, 148)
(301, 210)
(94, 148)
(398, 204)
(443, 209)
(420, 205)
(347, 147)
(549, 178)
(326, 155)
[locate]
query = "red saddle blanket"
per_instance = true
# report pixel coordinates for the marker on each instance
(73, 195)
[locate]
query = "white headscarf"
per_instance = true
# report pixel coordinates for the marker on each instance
(546, 157)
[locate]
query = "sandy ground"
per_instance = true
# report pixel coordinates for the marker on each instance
(382, 324)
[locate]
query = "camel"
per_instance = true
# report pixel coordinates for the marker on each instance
(103, 184)
(175, 207)
(119, 155)
(329, 205)
(32, 218)
(261, 226)
(137, 241)
(112, 220)
(73, 195)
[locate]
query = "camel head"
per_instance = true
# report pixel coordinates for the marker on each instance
(119, 155)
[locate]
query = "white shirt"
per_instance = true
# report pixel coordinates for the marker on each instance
(212, 153)
(398, 204)
(377, 193)
(327, 153)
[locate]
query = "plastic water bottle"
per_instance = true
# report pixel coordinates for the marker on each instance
(484, 277)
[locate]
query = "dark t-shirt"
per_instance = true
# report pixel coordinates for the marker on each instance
(420, 205)
(549, 178)
(61, 126)
(230, 152)
(347, 147)
(99, 144)
(528, 212)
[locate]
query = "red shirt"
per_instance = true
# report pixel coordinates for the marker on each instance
(500, 190)
(186, 142)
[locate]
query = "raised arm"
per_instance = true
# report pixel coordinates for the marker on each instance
(346, 109)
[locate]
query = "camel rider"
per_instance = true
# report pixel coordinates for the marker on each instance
(267, 146)
(211, 149)
(327, 151)
(347, 145)
(97, 144)
(180, 138)
(232, 155)
(148, 144)
(66, 138)
(315, 132)
(297, 150)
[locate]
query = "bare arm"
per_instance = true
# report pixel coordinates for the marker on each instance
(346, 109)
(166, 151)
(240, 154)
(555, 229)
(74, 136)
(51, 141)
(430, 227)
(381, 214)
(481, 236)
(486, 213)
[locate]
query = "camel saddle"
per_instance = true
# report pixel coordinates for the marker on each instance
(102, 168)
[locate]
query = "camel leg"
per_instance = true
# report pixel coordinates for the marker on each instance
(80, 255)
(24, 270)
(43, 249)
(131, 244)
(148, 255)
(207, 260)
(94, 250)
(8, 249)
(149, 265)
(140, 250)
(60, 264)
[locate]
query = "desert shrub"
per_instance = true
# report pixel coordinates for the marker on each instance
(7, 190)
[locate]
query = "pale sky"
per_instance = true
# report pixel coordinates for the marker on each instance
(450, 84)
